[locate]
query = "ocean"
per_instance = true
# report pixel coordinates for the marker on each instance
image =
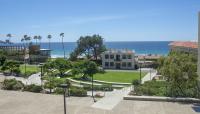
(140, 47)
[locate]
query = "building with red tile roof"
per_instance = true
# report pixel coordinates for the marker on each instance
(184, 46)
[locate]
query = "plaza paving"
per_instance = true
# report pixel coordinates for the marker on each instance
(12, 102)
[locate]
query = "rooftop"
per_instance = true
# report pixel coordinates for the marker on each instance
(120, 51)
(187, 44)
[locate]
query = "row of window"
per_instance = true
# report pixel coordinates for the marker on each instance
(124, 64)
(118, 56)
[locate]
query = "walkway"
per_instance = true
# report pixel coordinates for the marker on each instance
(13, 102)
(149, 76)
(111, 99)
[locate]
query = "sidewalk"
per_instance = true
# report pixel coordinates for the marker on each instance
(111, 99)
(149, 76)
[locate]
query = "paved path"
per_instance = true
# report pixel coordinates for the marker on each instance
(13, 102)
(111, 99)
(149, 76)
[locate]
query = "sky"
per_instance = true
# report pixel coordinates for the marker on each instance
(114, 20)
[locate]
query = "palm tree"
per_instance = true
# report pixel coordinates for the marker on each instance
(39, 38)
(62, 36)
(22, 40)
(35, 38)
(49, 37)
(9, 36)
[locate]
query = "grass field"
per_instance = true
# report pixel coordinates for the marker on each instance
(118, 76)
(30, 69)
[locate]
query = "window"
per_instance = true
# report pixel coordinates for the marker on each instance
(129, 64)
(111, 64)
(123, 56)
(111, 56)
(123, 64)
(106, 64)
(129, 57)
(106, 56)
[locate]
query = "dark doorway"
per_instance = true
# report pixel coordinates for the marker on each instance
(117, 57)
(118, 65)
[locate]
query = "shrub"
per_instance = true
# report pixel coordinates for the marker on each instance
(80, 92)
(59, 91)
(153, 88)
(136, 82)
(33, 88)
(12, 84)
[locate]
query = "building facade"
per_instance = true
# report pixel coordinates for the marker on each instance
(184, 46)
(20, 52)
(118, 59)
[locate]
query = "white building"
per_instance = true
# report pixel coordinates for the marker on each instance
(118, 59)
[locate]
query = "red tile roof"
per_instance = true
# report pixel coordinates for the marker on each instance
(184, 44)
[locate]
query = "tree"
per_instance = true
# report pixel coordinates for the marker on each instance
(90, 68)
(180, 71)
(35, 38)
(63, 46)
(40, 38)
(9, 37)
(61, 65)
(11, 66)
(49, 37)
(90, 46)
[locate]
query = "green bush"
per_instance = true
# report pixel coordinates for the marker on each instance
(12, 84)
(59, 91)
(153, 88)
(80, 92)
(74, 91)
(33, 88)
(136, 82)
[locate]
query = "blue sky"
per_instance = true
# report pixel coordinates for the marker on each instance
(115, 20)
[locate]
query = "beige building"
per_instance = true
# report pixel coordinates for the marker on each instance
(118, 59)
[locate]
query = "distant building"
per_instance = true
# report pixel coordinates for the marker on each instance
(118, 59)
(20, 52)
(184, 46)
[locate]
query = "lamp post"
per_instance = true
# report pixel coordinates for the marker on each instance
(93, 89)
(64, 86)
(41, 70)
(140, 74)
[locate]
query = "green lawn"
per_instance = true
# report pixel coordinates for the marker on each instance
(118, 76)
(30, 69)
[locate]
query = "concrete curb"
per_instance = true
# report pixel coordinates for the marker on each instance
(114, 83)
(165, 99)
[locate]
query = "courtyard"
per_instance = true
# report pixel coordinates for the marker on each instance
(13, 102)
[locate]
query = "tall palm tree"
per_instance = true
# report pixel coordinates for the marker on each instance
(22, 40)
(9, 37)
(49, 37)
(62, 36)
(40, 38)
(35, 38)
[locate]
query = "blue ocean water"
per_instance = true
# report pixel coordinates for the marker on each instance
(140, 47)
